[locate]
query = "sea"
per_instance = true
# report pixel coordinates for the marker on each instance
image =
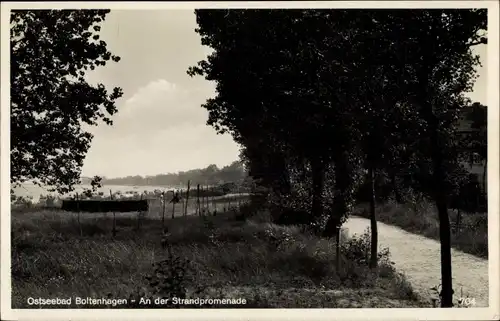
(36, 191)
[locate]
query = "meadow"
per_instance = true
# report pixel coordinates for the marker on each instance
(236, 254)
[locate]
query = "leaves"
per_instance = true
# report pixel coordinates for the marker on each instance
(340, 87)
(50, 51)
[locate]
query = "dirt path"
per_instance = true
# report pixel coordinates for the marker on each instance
(419, 258)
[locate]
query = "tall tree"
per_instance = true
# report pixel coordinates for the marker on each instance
(50, 98)
(436, 47)
(319, 81)
(288, 95)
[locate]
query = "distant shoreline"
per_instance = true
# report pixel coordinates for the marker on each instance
(35, 191)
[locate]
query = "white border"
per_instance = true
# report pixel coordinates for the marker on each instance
(491, 313)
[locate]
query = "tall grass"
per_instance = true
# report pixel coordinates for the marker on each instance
(423, 219)
(268, 265)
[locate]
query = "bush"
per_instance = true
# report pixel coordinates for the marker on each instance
(170, 278)
(358, 249)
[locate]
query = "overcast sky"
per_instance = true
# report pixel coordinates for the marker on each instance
(160, 126)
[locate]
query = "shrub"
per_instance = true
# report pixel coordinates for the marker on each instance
(357, 249)
(170, 278)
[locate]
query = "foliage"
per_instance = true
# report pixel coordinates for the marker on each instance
(169, 278)
(343, 91)
(357, 249)
(51, 50)
(240, 260)
(212, 175)
(95, 184)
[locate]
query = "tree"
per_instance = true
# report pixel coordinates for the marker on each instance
(254, 104)
(50, 99)
(375, 101)
(95, 184)
(315, 95)
(240, 75)
(436, 45)
(289, 102)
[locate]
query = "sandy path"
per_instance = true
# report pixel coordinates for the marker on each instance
(419, 258)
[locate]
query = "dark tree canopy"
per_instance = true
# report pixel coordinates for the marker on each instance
(319, 98)
(50, 98)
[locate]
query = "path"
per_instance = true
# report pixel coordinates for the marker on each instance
(419, 258)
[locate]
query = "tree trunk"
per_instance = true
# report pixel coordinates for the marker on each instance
(459, 220)
(397, 194)
(373, 219)
(332, 228)
(438, 193)
(337, 250)
(318, 182)
(285, 187)
(484, 176)
(446, 271)
(343, 182)
(444, 219)
(277, 172)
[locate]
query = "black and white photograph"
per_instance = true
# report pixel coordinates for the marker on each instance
(238, 160)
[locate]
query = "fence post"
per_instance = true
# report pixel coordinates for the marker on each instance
(205, 199)
(239, 197)
(78, 213)
(139, 217)
(214, 205)
(163, 210)
(173, 203)
(187, 198)
(203, 193)
(198, 210)
(114, 214)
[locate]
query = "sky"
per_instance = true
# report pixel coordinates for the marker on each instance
(160, 126)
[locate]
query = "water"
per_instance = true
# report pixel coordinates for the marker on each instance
(36, 191)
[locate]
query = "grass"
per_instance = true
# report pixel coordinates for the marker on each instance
(210, 204)
(212, 257)
(423, 220)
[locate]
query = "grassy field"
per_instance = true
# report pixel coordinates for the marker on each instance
(423, 220)
(156, 208)
(211, 257)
